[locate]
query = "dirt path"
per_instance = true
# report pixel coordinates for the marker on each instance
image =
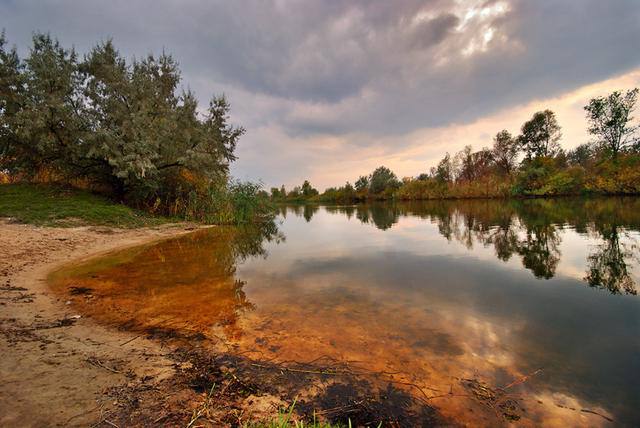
(55, 366)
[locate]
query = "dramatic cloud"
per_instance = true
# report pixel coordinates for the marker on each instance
(344, 84)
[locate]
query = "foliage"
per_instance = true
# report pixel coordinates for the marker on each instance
(534, 174)
(285, 419)
(344, 194)
(65, 206)
(307, 190)
(610, 120)
(540, 135)
(581, 155)
(615, 176)
(505, 152)
(445, 171)
(120, 127)
(232, 203)
(382, 180)
(473, 165)
(362, 183)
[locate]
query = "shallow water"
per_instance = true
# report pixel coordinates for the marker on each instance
(536, 297)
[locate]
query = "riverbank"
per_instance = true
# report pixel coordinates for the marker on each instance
(62, 369)
(57, 366)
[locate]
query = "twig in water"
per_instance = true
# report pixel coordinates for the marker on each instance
(596, 413)
(523, 379)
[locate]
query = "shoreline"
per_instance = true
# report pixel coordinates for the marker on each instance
(454, 198)
(56, 365)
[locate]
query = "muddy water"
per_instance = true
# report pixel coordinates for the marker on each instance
(493, 312)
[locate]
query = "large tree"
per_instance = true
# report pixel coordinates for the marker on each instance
(362, 183)
(610, 120)
(505, 152)
(44, 128)
(382, 179)
(540, 135)
(124, 126)
(445, 170)
(308, 190)
(11, 99)
(472, 165)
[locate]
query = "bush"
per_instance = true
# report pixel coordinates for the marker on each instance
(233, 203)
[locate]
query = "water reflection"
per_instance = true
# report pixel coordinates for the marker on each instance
(608, 264)
(433, 292)
(527, 228)
(186, 284)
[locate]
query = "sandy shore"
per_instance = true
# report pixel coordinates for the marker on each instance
(57, 367)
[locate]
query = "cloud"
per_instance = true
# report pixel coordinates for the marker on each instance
(330, 160)
(365, 73)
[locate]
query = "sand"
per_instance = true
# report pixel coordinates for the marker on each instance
(57, 367)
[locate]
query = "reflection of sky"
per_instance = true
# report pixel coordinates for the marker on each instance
(498, 313)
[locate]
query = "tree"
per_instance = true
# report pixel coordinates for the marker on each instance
(295, 193)
(540, 135)
(307, 190)
(464, 158)
(11, 98)
(382, 179)
(505, 151)
(348, 191)
(362, 183)
(610, 120)
(445, 171)
(471, 165)
(122, 127)
(580, 156)
(47, 123)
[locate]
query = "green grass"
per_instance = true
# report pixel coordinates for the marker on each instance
(285, 419)
(44, 205)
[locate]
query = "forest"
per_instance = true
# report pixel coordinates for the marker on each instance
(530, 164)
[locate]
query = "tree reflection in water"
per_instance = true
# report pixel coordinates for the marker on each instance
(527, 228)
(608, 266)
(191, 278)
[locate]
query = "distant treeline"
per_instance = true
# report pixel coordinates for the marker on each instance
(121, 127)
(530, 164)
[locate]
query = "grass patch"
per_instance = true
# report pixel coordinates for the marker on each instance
(284, 419)
(45, 205)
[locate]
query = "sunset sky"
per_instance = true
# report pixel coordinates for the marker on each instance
(330, 90)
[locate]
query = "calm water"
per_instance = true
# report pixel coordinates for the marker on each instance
(537, 297)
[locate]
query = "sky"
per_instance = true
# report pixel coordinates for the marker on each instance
(329, 90)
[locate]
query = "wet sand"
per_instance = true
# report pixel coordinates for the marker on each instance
(57, 366)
